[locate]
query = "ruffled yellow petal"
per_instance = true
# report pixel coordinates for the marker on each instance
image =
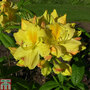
(72, 45)
(55, 28)
(67, 57)
(43, 49)
(46, 69)
(20, 52)
(20, 63)
(62, 19)
(25, 24)
(54, 14)
(20, 37)
(62, 68)
(12, 50)
(68, 70)
(67, 32)
(32, 59)
(58, 51)
(46, 16)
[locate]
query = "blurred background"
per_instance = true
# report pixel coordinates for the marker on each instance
(77, 10)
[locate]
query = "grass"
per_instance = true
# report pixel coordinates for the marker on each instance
(61, 2)
(74, 12)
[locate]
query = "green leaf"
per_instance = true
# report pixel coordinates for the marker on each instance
(20, 3)
(13, 27)
(65, 88)
(77, 74)
(58, 88)
(27, 2)
(49, 85)
(2, 59)
(61, 78)
(83, 30)
(7, 40)
(55, 79)
(81, 86)
(25, 86)
(87, 34)
(70, 85)
(76, 58)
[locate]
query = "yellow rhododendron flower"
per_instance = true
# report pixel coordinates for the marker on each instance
(30, 38)
(43, 40)
(45, 67)
(7, 11)
(62, 68)
(54, 14)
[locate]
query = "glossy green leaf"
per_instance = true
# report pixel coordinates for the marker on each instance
(58, 88)
(61, 78)
(49, 85)
(86, 33)
(13, 27)
(20, 3)
(65, 88)
(2, 59)
(7, 40)
(81, 86)
(77, 74)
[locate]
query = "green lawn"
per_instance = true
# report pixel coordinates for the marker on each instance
(74, 12)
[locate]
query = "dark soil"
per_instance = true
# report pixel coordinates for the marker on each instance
(84, 25)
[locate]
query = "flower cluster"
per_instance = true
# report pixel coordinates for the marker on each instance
(7, 12)
(47, 42)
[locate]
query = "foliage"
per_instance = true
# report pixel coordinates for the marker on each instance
(62, 2)
(22, 15)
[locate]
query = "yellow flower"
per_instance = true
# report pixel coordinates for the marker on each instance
(8, 12)
(72, 45)
(62, 68)
(30, 38)
(55, 28)
(47, 37)
(54, 14)
(45, 67)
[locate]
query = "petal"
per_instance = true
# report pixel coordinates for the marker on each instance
(12, 50)
(66, 32)
(67, 57)
(54, 14)
(20, 63)
(55, 28)
(46, 16)
(62, 19)
(43, 49)
(25, 25)
(72, 45)
(32, 59)
(20, 52)
(46, 69)
(58, 51)
(62, 68)
(68, 70)
(20, 37)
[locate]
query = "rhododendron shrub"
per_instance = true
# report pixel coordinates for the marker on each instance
(48, 42)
